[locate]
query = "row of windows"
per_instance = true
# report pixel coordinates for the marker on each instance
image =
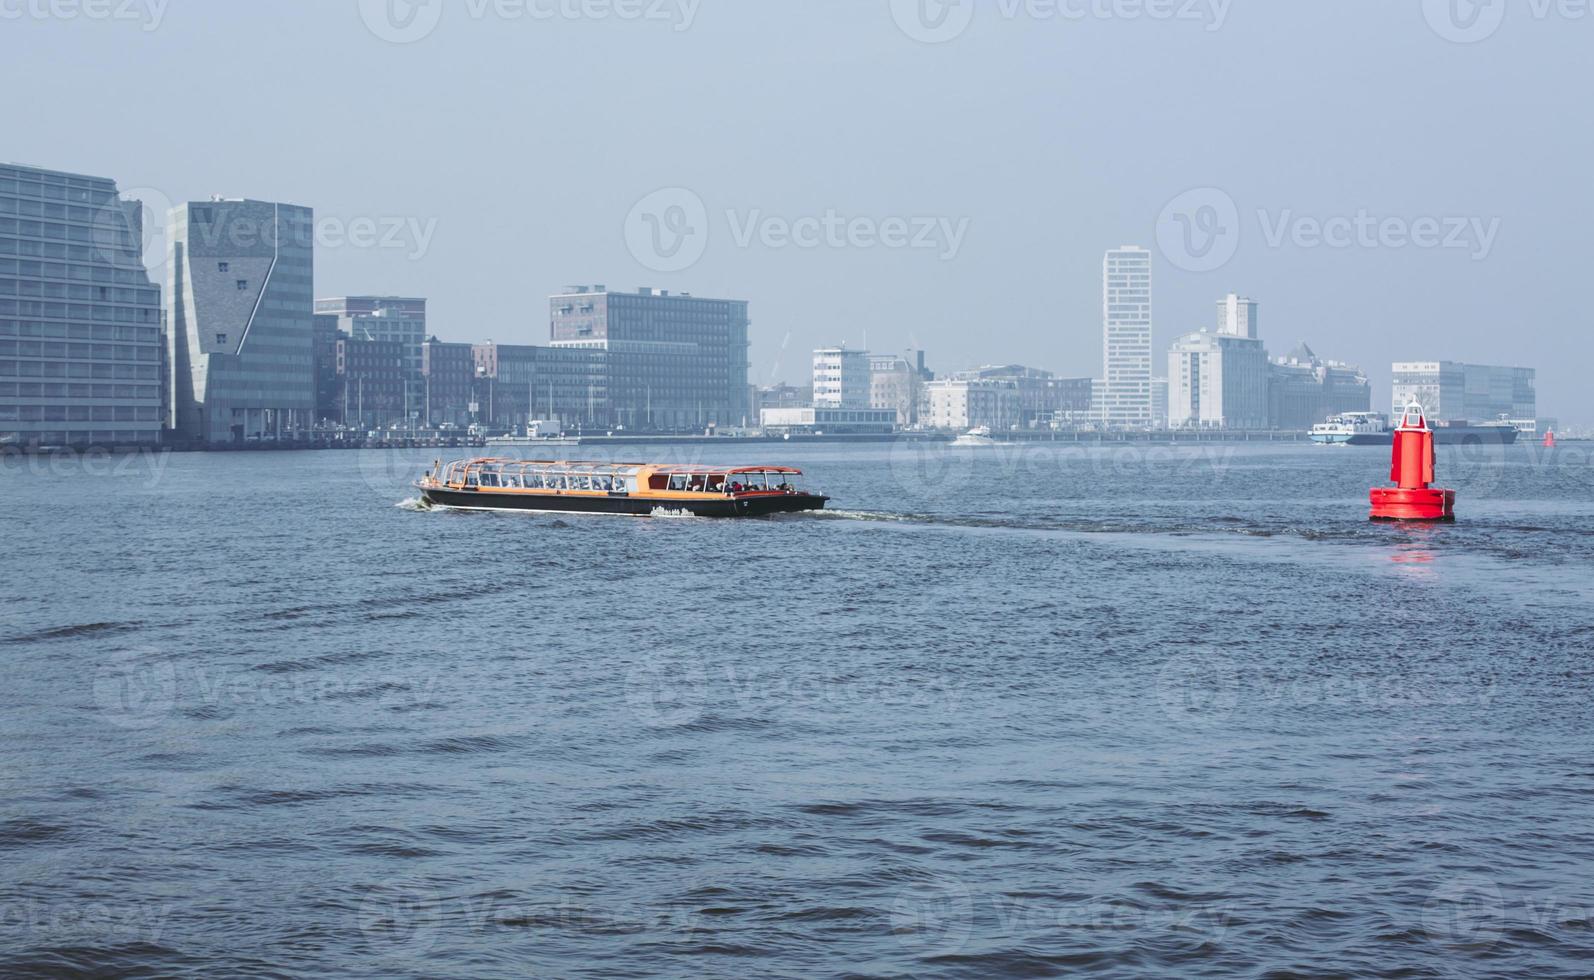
(63, 311)
(126, 259)
(102, 352)
(65, 212)
(44, 187)
(99, 272)
(79, 413)
(57, 369)
(55, 389)
(61, 290)
(57, 232)
(79, 331)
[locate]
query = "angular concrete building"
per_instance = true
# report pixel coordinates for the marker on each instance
(241, 293)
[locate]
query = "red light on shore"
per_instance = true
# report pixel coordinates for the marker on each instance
(1413, 498)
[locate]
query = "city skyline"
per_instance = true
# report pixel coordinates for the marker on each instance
(1237, 186)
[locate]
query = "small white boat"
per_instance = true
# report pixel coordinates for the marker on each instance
(979, 436)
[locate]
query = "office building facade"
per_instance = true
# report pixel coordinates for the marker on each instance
(389, 319)
(1126, 399)
(519, 384)
(240, 285)
(672, 363)
(80, 320)
(968, 403)
(373, 384)
(1452, 391)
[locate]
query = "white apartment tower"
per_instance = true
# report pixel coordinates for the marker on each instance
(841, 378)
(1126, 398)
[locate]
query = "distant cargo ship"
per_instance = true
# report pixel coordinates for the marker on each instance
(1372, 429)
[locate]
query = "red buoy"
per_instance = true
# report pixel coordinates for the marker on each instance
(1549, 440)
(1413, 497)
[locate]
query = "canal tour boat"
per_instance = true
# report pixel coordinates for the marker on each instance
(633, 489)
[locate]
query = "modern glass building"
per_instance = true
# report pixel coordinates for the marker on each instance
(241, 282)
(675, 363)
(80, 344)
(1126, 339)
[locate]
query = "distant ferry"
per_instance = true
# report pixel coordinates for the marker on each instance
(634, 489)
(1372, 429)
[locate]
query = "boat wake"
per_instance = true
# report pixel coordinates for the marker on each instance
(415, 504)
(879, 516)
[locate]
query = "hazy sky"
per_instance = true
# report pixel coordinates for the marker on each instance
(484, 154)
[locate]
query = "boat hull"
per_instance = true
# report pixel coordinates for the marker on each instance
(1452, 436)
(760, 505)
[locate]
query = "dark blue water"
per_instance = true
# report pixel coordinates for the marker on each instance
(1031, 712)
